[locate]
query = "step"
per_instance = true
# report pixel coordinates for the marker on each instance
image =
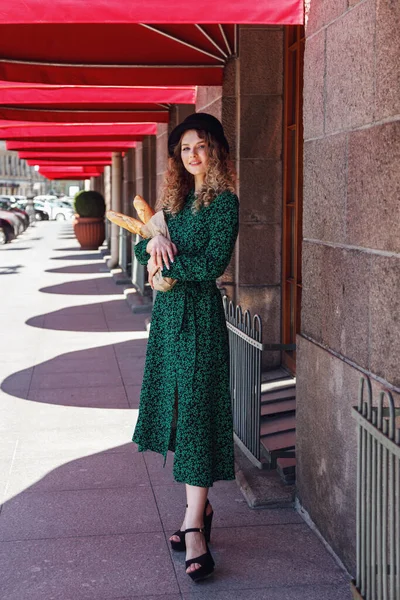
(279, 441)
(271, 408)
(278, 395)
(281, 384)
(286, 469)
(277, 425)
(286, 465)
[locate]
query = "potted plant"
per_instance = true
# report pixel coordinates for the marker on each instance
(88, 222)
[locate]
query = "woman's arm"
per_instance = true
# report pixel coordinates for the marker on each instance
(141, 252)
(224, 227)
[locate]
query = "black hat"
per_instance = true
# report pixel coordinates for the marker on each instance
(200, 121)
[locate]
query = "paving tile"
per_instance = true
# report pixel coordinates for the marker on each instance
(78, 365)
(157, 473)
(296, 592)
(74, 443)
(68, 380)
(98, 471)
(131, 348)
(52, 514)
(230, 508)
(86, 568)
(133, 395)
(94, 397)
(267, 555)
(17, 382)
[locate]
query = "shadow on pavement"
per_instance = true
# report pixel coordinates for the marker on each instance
(11, 270)
(102, 377)
(107, 316)
(9, 248)
(93, 268)
(78, 257)
(72, 249)
(83, 524)
(88, 287)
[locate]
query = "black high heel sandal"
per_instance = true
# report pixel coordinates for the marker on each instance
(181, 545)
(205, 561)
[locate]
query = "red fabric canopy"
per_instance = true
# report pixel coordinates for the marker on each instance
(19, 94)
(82, 115)
(135, 43)
(73, 146)
(64, 155)
(71, 132)
(154, 11)
(69, 163)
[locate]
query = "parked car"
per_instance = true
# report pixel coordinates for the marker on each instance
(13, 220)
(6, 232)
(62, 211)
(21, 215)
(57, 210)
(34, 211)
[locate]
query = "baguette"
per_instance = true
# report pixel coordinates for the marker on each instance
(144, 211)
(129, 223)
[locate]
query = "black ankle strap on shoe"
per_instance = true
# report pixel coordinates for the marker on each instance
(199, 529)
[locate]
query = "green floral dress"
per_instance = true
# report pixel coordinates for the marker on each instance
(185, 403)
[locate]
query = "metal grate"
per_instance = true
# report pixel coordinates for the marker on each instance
(378, 497)
(245, 353)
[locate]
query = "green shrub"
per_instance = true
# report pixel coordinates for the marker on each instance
(89, 204)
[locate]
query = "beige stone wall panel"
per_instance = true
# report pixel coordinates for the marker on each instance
(326, 445)
(325, 174)
(266, 302)
(262, 182)
(350, 71)
(373, 204)
(260, 254)
(321, 12)
(387, 59)
(314, 82)
(335, 300)
(385, 318)
(206, 96)
(261, 127)
(261, 68)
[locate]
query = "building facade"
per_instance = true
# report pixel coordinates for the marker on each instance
(312, 117)
(17, 177)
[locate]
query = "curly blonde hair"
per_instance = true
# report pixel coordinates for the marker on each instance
(178, 182)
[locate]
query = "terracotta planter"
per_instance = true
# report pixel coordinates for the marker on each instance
(89, 231)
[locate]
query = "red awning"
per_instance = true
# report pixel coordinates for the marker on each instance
(10, 130)
(73, 146)
(69, 163)
(61, 156)
(75, 104)
(96, 98)
(136, 43)
(155, 11)
(83, 116)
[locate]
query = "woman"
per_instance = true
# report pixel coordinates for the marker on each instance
(185, 403)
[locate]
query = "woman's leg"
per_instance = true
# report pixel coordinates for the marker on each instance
(195, 542)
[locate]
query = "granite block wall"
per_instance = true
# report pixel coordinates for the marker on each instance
(351, 247)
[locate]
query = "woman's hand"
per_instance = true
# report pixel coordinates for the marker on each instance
(152, 270)
(161, 249)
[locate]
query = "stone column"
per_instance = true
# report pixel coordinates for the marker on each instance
(116, 205)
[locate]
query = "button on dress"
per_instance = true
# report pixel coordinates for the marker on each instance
(185, 403)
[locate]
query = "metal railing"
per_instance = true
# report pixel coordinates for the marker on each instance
(245, 353)
(245, 363)
(378, 497)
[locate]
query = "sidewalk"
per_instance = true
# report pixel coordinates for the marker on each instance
(85, 516)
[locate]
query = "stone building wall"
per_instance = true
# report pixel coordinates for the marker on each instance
(351, 230)
(250, 106)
